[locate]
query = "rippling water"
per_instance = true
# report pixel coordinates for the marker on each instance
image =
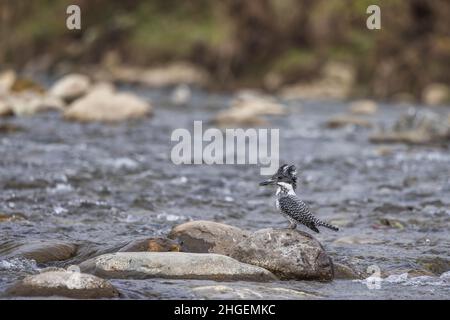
(103, 185)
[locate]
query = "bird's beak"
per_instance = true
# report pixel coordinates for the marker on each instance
(267, 182)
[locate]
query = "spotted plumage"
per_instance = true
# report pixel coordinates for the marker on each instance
(287, 202)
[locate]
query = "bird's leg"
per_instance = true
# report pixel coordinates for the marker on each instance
(292, 225)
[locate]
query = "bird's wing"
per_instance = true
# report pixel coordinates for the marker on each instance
(297, 209)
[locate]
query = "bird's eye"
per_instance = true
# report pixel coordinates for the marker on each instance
(279, 177)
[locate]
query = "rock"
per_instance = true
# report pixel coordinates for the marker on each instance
(436, 94)
(63, 283)
(173, 265)
(207, 236)
(340, 121)
(174, 74)
(335, 82)
(363, 107)
(11, 217)
(436, 265)
(24, 85)
(341, 271)
(151, 245)
(7, 79)
(289, 254)
(415, 127)
(29, 103)
(42, 251)
(71, 87)
(247, 110)
(104, 105)
(235, 291)
(5, 109)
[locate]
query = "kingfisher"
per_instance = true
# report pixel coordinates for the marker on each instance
(289, 204)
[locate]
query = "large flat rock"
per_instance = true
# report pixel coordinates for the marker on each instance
(173, 265)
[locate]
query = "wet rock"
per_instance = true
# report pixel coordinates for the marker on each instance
(248, 109)
(340, 121)
(289, 254)
(363, 107)
(63, 283)
(152, 245)
(173, 265)
(41, 251)
(11, 217)
(104, 105)
(29, 103)
(71, 87)
(5, 109)
(342, 271)
(415, 127)
(238, 291)
(207, 236)
(436, 94)
(436, 265)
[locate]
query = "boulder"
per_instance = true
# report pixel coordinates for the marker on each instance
(248, 109)
(5, 109)
(104, 105)
(71, 87)
(207, 236)
(42, 251)
(29, 103)
(289, 254)
(63, 283)
(363, 107)
(174, 74)
(151, 245)
(436, 94)
(173, 265)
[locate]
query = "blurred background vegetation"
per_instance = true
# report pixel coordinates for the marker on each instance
(261, 43)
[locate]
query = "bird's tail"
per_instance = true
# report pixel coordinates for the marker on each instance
(327, 225)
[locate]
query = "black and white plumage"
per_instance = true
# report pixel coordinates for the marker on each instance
(287, 202)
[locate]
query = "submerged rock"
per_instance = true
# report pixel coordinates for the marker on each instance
(415, 127)
(239, 291)
(104, 105)
(71, 87)
(151, 245)
(289, 254)
(42, 251)
(340, 121)
(207, 236)
(173, 265)
(63, 283)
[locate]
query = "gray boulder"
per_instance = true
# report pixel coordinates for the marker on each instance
(173, 265)
(42, 251)
(207, 236)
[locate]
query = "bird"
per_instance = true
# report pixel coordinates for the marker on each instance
(289, 204)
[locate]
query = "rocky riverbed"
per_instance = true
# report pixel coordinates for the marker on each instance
(85, 191)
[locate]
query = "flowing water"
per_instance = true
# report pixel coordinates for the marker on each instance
(103, 185)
